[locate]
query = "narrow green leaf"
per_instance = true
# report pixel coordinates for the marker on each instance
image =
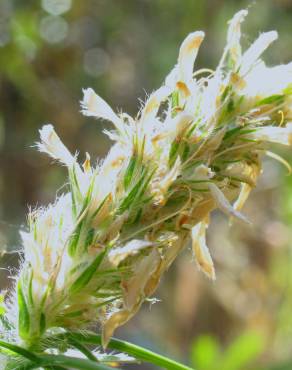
(186, 152)
(273, 99)
(230, 106)
(130, 171)
(23, 315)
(100, 206)
(87, 274)
(42, 323)
(89, 238)
(30, 293)
(20, 351)
(173, 152)
(128, 200)
(139, 353)
(175, 99)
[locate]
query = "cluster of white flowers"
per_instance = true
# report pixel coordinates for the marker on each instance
(196, 145)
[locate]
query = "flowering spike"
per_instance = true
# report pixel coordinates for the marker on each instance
(100, 250)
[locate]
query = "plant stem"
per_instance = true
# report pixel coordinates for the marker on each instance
(19, 351)
(70, 362)
(53, 361)
(138, 352)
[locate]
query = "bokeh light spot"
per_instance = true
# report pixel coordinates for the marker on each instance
(96, 62)
(53, 29)
(56, 7)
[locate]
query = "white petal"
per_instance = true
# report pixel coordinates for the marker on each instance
(94, 105)
(188, 53)
(256, 49)
(233, 36)
(52, 145)
(280, 135)
(264, 81)
(233, 40)
(152, 105)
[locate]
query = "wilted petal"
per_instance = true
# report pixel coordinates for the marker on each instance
(242, 198)
(113, 322)
(224, 205)
(133, 288)
(117, 255)
(201, 251)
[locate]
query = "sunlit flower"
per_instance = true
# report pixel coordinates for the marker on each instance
(100, 250)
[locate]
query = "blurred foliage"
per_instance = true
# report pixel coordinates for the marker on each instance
(49, 51)
(207, 354)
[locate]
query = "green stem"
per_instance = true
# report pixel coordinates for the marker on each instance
(52, 361)
(138, 352)
(19, 351)
(70, 362)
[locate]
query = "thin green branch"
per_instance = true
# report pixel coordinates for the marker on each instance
(69, 362)
(138, 352)
(20, 351)
(53, 361)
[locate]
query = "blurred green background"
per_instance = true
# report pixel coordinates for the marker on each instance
(49, 51)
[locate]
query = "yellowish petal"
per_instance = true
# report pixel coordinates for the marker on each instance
(133, 288)
(201, 251)
(243, 196)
